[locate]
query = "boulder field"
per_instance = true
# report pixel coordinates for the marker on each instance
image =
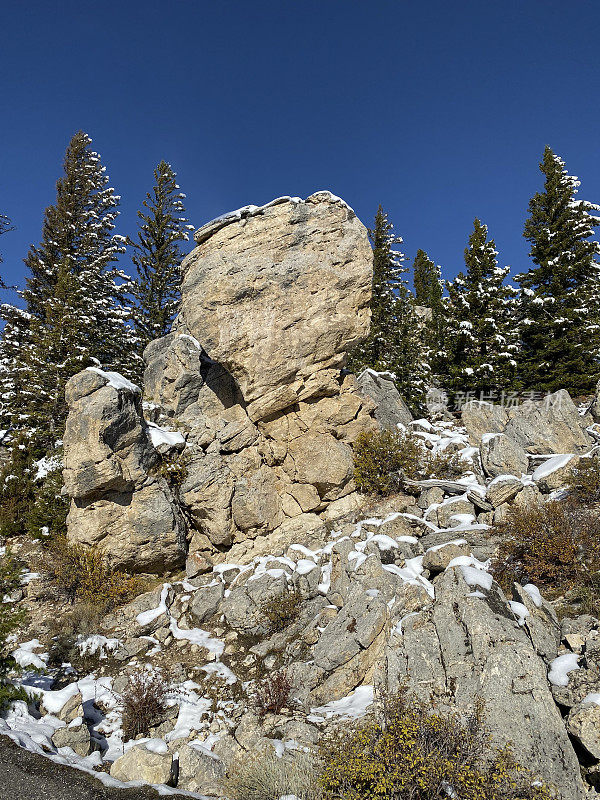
(236, 465)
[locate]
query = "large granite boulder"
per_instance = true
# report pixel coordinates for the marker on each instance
(117, 505)
(277, 293)
(250, 385)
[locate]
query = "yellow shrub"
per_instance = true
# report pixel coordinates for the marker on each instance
(413, 753)
(83, 573)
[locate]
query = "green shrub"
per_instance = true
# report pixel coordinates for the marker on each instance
(264, 776)
(380, 457)
(410, 752)
(282, 609)
(554, 545)
(11, 618)
(384, 459)
(83, 574)
(584, 480)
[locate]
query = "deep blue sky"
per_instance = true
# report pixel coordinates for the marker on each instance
(438, 110)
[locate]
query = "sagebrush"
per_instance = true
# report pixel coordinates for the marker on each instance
(264, 776)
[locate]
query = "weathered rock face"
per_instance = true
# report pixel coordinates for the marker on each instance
(272, 299)
(278, 295)
(467, 647)
(117, 505)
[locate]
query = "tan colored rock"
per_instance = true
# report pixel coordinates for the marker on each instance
(138, 532)
(140, 764)
(277, 293)
(584, 725)
(503, 489)
(322, 461)
(77, 737)
(437, 558)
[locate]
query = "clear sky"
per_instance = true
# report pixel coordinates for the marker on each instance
(437, 110)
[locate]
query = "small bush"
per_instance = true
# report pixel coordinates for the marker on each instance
(263, 776)
(443, 465)
(173, 470)
(144, 702)
(282, 609)
(555, 546)
(584, 482)
(82, 573)
(382, 460)
(379, 457)
(412, 753)
(273, 693)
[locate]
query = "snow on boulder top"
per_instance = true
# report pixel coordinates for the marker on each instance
(116, 380)
(245, 212)
(551, 465)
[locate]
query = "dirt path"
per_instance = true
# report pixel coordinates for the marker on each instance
(26, 776)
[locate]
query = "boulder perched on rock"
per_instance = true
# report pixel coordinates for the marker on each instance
(277, 293)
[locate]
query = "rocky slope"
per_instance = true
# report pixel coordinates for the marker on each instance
(288, 570)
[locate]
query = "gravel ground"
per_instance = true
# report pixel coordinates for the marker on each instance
(26, 776)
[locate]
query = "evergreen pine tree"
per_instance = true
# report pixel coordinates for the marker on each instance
(481, 325)
(157, 256)
(394, 343)
(428, 294)
(75, 315)
(75, 310)
(559, 300)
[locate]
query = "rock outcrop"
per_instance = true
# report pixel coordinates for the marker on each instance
(250, 380)
(117, 505)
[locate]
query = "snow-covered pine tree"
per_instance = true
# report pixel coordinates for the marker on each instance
(74, 296)
(481, 332)
(429, 289)
(75, 315)
(157, 256)
(394, 343)
(559, 299)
